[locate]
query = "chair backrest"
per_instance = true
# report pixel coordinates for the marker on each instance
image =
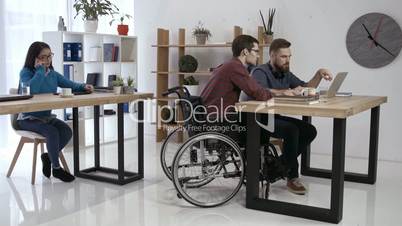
(14, 117)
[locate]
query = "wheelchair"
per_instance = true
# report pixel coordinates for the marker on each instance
(208, 167)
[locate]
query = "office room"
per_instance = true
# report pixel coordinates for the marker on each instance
(135, 112)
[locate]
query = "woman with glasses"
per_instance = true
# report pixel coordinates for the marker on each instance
(39, 74)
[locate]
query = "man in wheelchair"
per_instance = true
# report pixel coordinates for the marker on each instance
(208, 168)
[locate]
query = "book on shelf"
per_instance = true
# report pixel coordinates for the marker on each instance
(297, 99)
(115, 53)
(108, 52)
(69, 71)
(72, 51)
(76, 51)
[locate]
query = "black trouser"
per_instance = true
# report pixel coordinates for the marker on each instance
(297, 135)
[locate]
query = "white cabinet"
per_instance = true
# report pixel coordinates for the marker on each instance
(95, 57)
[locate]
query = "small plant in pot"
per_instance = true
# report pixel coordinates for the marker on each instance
(201, 34)
(91, 10)
(118, 85)
(129, 89)
(191, 84)
(268, 33)
(122, 28)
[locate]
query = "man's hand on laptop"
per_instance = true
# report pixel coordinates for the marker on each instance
(291, 92)
(325, 74)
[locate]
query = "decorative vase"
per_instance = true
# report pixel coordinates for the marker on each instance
(268, 38)
(90, 25)
(128, 89)
(117, 90)
(122, 29)
(192, 89)
(201, 39)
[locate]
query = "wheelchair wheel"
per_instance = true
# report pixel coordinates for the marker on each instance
(208, 170)
(169, 149)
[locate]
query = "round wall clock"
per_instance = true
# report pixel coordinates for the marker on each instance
(374, 40)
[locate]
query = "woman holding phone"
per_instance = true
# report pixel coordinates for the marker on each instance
(39, 74)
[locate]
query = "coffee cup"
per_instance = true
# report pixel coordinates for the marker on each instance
(66, 92)
(309, 91)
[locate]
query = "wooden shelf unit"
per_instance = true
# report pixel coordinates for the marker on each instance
(162, 65)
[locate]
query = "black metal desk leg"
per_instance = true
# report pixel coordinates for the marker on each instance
(96, 136)
(338, 169)
(373, 148)
(305, 157)
(76, 142)
(141, 139)
(253, 145)
(333, 214)
(370, 177)
(120, 142)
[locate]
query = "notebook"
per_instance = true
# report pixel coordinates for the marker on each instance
(13, 97)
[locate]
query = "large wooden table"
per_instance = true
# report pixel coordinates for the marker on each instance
(338, 108)
(50, 101)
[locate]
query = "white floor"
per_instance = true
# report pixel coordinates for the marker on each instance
(153, 201)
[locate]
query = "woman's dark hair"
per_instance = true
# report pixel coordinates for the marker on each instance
(242, 42)
(33, 52)
(279, 43)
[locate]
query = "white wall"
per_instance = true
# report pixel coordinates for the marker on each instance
(317, 29)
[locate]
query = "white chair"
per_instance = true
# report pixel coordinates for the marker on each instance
(29, 137)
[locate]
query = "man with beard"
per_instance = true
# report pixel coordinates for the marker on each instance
(296, 134)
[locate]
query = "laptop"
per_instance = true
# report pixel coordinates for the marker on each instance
(103, 89)
(13, 97)
(335, 85)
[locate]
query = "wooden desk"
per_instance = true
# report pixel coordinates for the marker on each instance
(338, 108)
(50, 101)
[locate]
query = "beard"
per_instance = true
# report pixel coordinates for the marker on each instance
(282, 68)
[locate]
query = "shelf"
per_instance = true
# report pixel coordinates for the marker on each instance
(72, 62)
(93, 62)
(98, 62)
(203, 73)
(166, 98)
(211, 45)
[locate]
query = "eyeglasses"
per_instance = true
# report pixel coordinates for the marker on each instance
(255, 50)
(46, 57)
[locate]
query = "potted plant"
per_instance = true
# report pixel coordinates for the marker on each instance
(188, 64)
(191, 84)
(122, 28)
(91, 10)
(268, 33)
(201, 34)
(129, 89)
(117, 85)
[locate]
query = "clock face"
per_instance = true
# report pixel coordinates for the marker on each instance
(374, 40)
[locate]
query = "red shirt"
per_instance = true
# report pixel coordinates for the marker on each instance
(226, 83)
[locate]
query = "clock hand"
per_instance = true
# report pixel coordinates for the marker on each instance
(376, 31)
(382, 47)
(369, 34)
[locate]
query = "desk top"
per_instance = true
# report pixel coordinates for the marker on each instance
(336, 107)
(49, 101)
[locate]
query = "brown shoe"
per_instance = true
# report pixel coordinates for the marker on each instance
(296, 187)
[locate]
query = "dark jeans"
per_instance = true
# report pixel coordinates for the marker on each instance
(297, 135)
(56, 132)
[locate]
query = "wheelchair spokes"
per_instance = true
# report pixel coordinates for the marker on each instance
(217, 174)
